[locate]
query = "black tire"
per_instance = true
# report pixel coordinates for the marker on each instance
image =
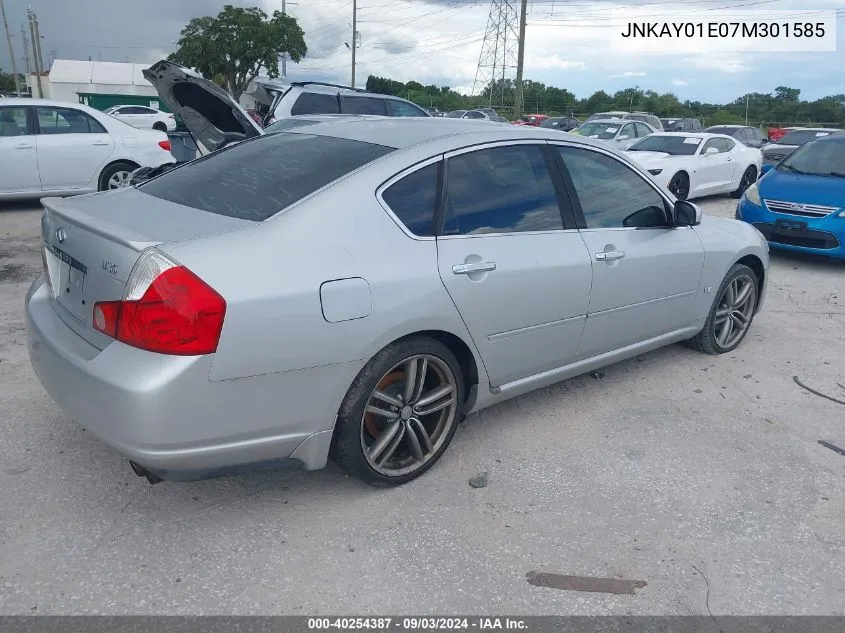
(112, 170)
(159, 126)
(707, 340)
(749, 177)
(350, 429)
(679, 185)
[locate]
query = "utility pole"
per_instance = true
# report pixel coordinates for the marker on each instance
(25, 50)
(746, 109)
(11, 48)
(38, 43)
(33, 33)
(354, 36)
(285, 54)
(520, 59)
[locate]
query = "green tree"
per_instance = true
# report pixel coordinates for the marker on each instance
(236, 44)
(7, 81)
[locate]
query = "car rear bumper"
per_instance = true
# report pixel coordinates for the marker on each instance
(166, 415)
(818, 236)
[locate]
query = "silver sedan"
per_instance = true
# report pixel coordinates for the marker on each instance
(356, 287)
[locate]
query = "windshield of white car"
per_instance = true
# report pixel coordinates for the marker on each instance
(799, 137)
(674, 145)
(604, 131)
(816, 159)
(256, 179)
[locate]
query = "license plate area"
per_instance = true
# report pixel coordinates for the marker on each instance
(67, 280)
(791, 226)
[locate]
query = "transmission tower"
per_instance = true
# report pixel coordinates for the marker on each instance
(498, 60)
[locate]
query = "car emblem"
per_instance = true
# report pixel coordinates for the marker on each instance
(795, 206)
(61, 235)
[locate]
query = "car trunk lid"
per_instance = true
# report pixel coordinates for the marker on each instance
(90, 244)
(211, 115)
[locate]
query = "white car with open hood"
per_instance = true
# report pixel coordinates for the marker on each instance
(691, 165)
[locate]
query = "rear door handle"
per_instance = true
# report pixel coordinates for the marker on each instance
(480, 267)
(23, 146)
(98, 143)
(609, 256)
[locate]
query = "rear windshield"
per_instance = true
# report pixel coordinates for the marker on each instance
(256, 179)
(799, 137)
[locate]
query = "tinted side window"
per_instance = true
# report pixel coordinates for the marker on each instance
(13, 122)
(67, 121)
(400, 108)
(256, 179)
(474, 115)
(611, 194)
(500, 190)
(643, 130)
(628, 131)
(725, 144)
(413, 200)
(362, 105)
(315, 103)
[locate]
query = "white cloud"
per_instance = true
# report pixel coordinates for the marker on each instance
(627, 74)
(554, 62)
(680, 82)
(730, 65)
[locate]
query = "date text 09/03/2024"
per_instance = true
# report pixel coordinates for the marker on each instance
(416, 624)
(723, 29)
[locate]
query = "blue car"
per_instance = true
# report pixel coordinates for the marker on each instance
(799, 204)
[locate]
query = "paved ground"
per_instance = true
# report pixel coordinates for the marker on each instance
(692, 473)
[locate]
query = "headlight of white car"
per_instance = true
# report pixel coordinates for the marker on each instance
(752, 194)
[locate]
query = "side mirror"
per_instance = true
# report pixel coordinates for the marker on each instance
(711, 150)
(686, 214)
(765, 169)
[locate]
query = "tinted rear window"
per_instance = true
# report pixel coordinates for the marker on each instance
(256, 179)
(315, 103)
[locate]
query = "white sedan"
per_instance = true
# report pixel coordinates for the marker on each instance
(58, 149)
(690, 165)
(618, 133)
(144, 118)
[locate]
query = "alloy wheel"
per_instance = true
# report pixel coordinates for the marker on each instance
(736, 308)
(120, 179)
(408, 415)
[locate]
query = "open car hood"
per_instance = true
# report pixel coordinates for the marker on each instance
(210, 113)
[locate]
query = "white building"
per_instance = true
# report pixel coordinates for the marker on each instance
(69, 77)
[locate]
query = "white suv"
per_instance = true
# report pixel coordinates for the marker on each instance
(313, 97)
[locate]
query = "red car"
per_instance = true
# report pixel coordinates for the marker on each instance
(531, 119)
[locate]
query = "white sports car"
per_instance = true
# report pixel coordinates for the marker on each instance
(690, 165)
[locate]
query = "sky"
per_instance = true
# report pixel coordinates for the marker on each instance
(572, 44)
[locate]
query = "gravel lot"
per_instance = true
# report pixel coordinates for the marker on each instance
(701, 476)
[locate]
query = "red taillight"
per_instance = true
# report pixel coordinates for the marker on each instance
(165, 145)
(177, 314)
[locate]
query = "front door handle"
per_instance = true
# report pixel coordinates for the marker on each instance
(98, 143)
(479, 267)
(23, 146)
(609, 256)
